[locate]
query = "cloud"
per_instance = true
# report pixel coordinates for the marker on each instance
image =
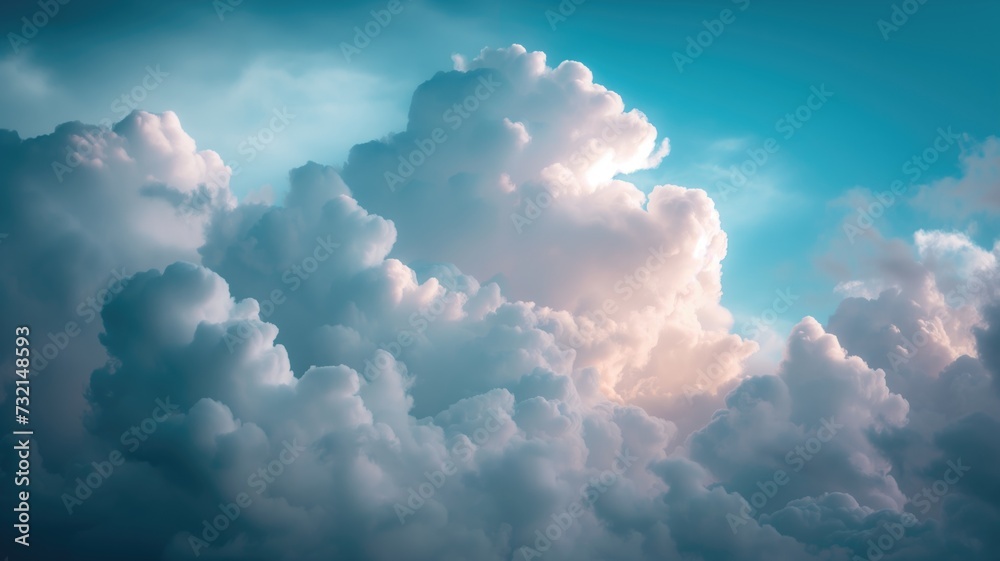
(524, 178)
(85, 208)
(371, 373)
(973, 191)
(822, 405)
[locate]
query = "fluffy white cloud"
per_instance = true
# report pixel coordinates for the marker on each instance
(522, 172)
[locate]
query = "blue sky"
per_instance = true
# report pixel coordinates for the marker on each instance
(430, 258)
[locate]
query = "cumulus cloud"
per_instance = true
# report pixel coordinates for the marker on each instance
(488, 354)
(520, 159)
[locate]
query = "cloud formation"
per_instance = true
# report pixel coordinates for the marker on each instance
(486, 359)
